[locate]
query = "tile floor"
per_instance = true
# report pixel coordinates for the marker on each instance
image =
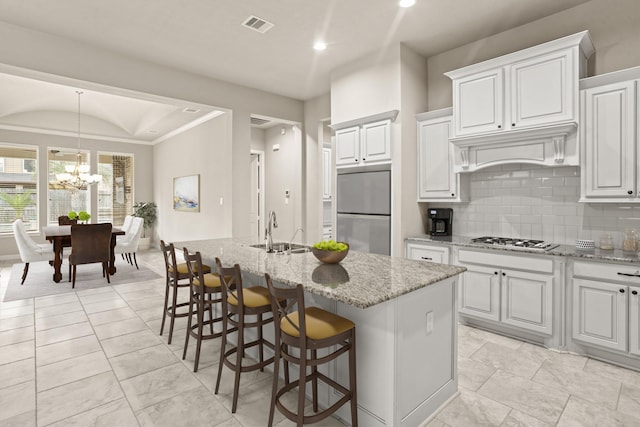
(94, 358)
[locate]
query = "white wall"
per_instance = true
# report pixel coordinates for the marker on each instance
(613, 27)
(205, 151)
(394, 80)
(143, 169)
(525, 201)
(39, 55)
(316, 134)
(283, 172)
(413, 90)
(367, 86)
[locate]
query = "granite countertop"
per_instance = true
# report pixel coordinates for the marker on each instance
(615, 255)
(361, 279)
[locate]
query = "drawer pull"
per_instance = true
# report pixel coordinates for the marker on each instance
(636, 274)
(622, 291)
(426, 257)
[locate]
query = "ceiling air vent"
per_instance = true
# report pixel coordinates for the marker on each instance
(255, 121)
(257, 24)
(191, 110)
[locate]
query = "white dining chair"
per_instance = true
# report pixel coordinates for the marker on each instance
(30, 251)
(128, 244)
(127, 223)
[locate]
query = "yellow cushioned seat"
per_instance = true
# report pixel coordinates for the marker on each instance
(256, 296)
(211, 280)
(184, 269)
(321, 324)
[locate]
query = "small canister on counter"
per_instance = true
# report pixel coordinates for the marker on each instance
(630, 240)
(606, 242)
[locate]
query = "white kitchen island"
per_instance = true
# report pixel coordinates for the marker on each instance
(405, 315)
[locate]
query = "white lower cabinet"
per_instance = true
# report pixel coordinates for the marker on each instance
(606, 306)
(480, 292)
(600, 313)
(425, 252)
(513, 290)
(634, 322)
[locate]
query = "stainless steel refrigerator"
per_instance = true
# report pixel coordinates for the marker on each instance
(364, 211)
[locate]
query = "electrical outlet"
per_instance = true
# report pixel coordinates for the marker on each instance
(429, 323)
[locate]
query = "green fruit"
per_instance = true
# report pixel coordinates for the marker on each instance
(330, 245)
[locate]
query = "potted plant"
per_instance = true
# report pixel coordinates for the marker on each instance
(148, 212)
(18, 201)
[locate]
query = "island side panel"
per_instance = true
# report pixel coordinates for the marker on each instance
(407, 363)
(426, 352)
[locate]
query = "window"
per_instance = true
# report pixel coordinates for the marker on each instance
(18, 187)
(115, 192)
(28, 165)
(63, 200)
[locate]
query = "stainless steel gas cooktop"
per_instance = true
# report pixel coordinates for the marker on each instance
(512, 243)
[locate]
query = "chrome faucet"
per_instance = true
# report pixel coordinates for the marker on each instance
(272, 222)
(293, 237)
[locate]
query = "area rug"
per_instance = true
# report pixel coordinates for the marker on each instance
(40, 282)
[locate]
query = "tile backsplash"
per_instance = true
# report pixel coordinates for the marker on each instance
(535, 202)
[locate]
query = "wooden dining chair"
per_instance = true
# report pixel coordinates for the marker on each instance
(90, 243)
(65, 220)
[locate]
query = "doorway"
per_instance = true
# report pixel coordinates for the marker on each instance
(256, 212)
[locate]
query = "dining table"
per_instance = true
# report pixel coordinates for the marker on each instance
(60, 236)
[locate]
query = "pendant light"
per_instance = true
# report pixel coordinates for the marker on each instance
(77, 177)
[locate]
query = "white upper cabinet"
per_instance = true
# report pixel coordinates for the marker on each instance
(479, 102)
(365, 141)
(348, 146)
(376, 142)
(609, 166)
(543, 90)
(521, 107)
(437, 180)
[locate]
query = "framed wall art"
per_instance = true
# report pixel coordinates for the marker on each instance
(186, 193)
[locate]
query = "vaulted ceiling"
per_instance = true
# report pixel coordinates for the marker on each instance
(206, 37)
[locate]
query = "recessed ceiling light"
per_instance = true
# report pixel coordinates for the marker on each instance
(320, 46)
(406, 3)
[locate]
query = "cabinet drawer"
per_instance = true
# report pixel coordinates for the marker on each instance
(629, 274)
(421, 252)
(524, 262)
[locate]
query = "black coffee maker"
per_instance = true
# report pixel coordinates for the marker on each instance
(441, 221)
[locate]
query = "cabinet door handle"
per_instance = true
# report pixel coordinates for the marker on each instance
(426, 257)
(504, 274)
(363, 159)
(499, 126)
(453, 194)
(630, 192)
(513, 125)
(355, 160)
(622, 291)
(495, 272)
(634, 292)
(636, 274)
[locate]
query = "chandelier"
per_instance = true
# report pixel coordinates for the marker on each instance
(77, 177)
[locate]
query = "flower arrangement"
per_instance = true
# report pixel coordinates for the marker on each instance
(82, 216)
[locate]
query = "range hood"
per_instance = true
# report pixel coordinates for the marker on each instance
(550, 145)
(523, 107)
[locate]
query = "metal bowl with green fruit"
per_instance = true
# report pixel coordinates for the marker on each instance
(330, 251)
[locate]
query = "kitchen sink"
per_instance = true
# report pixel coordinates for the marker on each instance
(283, 247)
